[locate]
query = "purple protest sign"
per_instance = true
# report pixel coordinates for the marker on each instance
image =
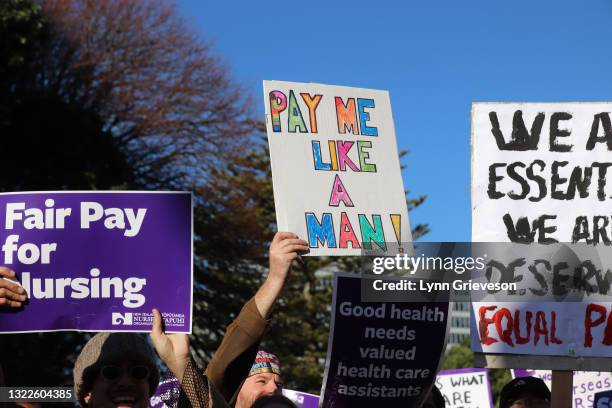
(302, 399)
(381, 354)
(98, 261)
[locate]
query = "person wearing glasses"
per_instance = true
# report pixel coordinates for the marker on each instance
(228, 370)
(118, 370)
(115, 370)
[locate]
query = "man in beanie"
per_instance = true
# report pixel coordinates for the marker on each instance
(263, 380)
(525, 392)
(231, 367)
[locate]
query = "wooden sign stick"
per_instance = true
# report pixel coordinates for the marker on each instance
(562, 389)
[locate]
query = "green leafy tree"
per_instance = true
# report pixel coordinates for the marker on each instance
(459, 356)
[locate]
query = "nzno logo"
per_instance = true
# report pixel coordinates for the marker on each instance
(122, 318)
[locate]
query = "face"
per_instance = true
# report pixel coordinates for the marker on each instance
(122, 385)
(530, 401)
(257, 386)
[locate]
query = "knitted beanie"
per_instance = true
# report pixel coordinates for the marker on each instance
(111, 348)
(265, 363)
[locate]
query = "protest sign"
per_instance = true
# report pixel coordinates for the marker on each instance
(539, 177)
(302, 399)
(465, 388)
(585, 385)
(539, 172)
(381, 353)
(335, 167)
(98, 261)
(603, 400)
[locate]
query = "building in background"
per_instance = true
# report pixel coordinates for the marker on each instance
(460, 323)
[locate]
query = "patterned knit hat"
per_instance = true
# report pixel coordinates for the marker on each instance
(265, 363)
(111, 348)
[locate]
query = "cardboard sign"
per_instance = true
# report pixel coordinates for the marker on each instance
(465, 388)
(302, 399)
(98, 261)
(381, 354)
(586, 384)
(539, 174)
(335, 167)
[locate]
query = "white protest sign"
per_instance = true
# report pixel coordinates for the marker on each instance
(465, 388)
(586, 384)
(544, 161)
(539, 174)
(335, 167)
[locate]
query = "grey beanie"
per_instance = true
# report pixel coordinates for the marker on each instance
(105, 348)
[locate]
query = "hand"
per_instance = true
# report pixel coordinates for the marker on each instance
(285, 247)
(172, 348)
(11, 294)
(283, 250)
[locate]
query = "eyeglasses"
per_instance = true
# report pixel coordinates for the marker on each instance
(112, 372)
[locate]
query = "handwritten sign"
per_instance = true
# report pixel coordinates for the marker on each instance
(465, 388)
(335, 167)
(539, 176)
(540, 172)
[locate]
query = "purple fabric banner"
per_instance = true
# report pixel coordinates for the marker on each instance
(381, 354)
(98, 261)
(302, 399)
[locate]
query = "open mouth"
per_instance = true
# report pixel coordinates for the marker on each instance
(124, 401)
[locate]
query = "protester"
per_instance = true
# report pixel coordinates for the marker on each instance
(434, 399)
(118, 369)
(525, 392)
(230, 368)
(115, 369)
(263, 380)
